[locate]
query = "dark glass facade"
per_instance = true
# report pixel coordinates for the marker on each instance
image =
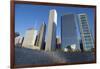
(69, 34)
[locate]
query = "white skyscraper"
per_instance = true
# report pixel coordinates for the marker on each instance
(51, 31)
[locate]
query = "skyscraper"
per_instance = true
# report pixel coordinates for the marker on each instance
(86, 36)
(19, 41)
(40, 40)
(58, 42)
(29, 38)
(51, 31)
(69, 31)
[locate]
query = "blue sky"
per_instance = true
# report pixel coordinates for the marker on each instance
(28, 16)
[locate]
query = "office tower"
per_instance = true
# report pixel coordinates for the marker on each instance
(86, 37)
(29, 38)
(19, 41)
(16, 40)
(81, 45)
(51, 31)
(69, 36)
(40, 39)
(58, 43)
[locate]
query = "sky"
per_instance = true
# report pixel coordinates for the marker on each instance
(32, 16)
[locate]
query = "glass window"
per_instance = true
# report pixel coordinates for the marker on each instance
(88, 42)
(84, 25)
(83, 17)
(86, 34)
(85, 30)
(83, 20)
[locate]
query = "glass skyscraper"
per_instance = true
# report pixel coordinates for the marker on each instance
(69, 35)
(86, 36)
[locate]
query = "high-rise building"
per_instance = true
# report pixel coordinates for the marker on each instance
(16, 40)
(19, 41)
(29, 38)
(58, 42)
(87, 39)
(40, 39)
(69, 35)
(51, 31)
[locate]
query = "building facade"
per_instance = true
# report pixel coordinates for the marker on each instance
(29, 38)
(69, 31)
(19, 41)
(58, 43)
(51, 31)
(40, 39)
(87, 39)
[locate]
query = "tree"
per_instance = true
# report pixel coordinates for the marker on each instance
(69, 48)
